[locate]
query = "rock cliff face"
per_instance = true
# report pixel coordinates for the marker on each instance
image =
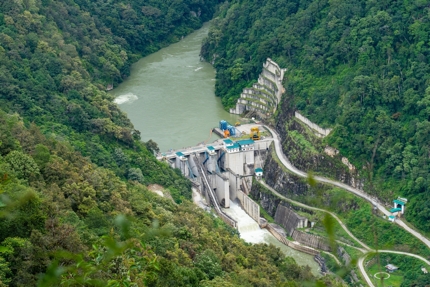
(286, 183)
(294, 187)
(311, 157)
(289, 185)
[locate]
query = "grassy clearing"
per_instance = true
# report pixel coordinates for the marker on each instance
(395, 279)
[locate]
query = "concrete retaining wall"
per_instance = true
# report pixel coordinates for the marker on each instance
(311, 240)
(316, 128)
(250, 207)
(291, 244)
(344, 255)
(262, 145)
(289, 219)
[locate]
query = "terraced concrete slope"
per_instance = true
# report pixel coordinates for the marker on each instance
(265, 95)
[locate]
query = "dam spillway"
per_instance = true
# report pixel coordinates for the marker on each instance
(252, 233)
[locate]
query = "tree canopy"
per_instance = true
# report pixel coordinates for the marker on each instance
(75, 209)
(361, 67)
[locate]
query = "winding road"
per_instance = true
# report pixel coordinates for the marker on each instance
(360, 193)
(318, 209)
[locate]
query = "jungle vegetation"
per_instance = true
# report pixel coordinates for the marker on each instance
(75, 206)
(360, 67)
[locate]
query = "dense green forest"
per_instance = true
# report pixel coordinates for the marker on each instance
(75, 207)
(60, 209)
(361, 67)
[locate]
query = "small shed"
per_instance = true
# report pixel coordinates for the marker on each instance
(228, 142)
(180, 155)
(211, 150)
(391, 218)
(259, 172)
(391, 268)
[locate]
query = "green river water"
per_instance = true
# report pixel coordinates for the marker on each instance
(169, 97)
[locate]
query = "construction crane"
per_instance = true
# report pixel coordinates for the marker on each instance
(255, 133)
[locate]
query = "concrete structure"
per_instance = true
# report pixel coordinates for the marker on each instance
(290, 220)
(250, 207)
(399, 204)
(265, 95)
(222, 171)
(278, 233)
(311, 240)
(319, 131)
(259, 172)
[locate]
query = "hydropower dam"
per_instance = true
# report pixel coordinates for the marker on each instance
(169, 97)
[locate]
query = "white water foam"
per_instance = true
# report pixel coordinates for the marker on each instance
(248, 228)
(126, 98)
(199, 68)
(252, 233)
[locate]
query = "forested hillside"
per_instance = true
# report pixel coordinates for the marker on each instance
(361, 67)
(75, 207)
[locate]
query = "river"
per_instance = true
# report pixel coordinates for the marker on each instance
(169, 97)
(252, 233)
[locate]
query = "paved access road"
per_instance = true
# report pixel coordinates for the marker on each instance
(319, 209)
(366, 250)
(360, 193)
(362, 258)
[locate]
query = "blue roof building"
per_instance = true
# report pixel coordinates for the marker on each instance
(246, 145)
(400, 203)
(233, 148)
(211, 150)
(228, 142)
(245, 142)
(258, 171)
